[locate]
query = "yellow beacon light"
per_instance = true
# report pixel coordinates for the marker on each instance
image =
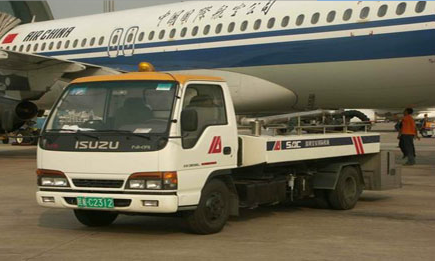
(146, 67)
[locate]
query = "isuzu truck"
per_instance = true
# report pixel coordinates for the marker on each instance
(158, 143)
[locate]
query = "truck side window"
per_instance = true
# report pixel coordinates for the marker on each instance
(208, 102)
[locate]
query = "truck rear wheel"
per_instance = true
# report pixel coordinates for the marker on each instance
(93, 218)
(212, 212)
(348, 189)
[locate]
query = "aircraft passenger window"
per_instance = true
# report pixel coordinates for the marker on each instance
(183, 32)
(401, 8)
(315, 18)
(257, 24)
(331, 17)
(101, 41)
(141, 36)
(300, 20)
(231, 27)
(67, 44)
(421, 5)
(59, 44)
(382, 10)
(364, 13)
(43, 46)
(285, 21)
(50, 46)
(92, 41)
(14, 48)
(84, 42)
(208, 102)
(21, 48)
(115, 39)
(35, 48)
(151, 35)
(347, 14)
(206, 30)
(218, 29)
(271, 23)
(162, 34)
(130, 38)
(243, 26)
(76, 42)
(195, 30)
(172, 33)
(28, 48)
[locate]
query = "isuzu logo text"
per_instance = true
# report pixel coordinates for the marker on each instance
(97, 145)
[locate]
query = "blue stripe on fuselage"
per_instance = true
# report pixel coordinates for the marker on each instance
(369, 47)
(299, 31)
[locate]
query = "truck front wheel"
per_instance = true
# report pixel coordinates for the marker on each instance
(213, 209)
(92, 218)
(348, 189)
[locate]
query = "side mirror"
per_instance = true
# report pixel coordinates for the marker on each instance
(189, 120)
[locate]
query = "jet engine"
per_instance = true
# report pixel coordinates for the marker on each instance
(13, 114)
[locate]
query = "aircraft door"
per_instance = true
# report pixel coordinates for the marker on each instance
(129, 41)
(114, 43)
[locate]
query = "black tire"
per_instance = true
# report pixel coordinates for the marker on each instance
(23, 137)
(213, 209)
(94, 218)
(348, 190)
(5, 140)
(361, 116)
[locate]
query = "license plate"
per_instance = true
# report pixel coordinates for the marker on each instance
(91, 202)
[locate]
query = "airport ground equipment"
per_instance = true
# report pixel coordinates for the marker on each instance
(155, 143)
(428, 130)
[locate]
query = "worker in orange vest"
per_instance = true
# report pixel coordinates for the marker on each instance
(407, 134)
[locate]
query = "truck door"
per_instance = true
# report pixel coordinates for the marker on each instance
(214, 142)
(129, 41)
(114, 43)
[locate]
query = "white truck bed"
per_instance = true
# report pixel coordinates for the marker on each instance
(286, 148)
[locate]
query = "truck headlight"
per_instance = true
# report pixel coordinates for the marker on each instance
(51, 178)
(153, 180)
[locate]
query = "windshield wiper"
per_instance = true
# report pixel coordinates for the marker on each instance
(83, 133)
(124, 132)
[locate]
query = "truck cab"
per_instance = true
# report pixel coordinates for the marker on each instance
(143, 142)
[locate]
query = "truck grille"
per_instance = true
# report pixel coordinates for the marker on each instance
(97, 183)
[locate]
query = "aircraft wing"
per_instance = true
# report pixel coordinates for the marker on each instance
(26, 76)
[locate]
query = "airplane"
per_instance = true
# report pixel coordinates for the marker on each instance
(277, 56)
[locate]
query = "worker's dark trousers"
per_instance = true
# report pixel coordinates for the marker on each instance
(408, 147)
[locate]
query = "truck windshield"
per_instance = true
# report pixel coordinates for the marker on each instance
(118, 106)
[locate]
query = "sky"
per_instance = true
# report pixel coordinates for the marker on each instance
(71, 8)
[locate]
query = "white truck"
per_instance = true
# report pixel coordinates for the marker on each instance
(148, 142)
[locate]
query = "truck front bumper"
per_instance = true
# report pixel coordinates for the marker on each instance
(123, 202)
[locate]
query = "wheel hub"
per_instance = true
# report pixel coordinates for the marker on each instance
(214, 206)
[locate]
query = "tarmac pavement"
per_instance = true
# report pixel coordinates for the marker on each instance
(389, 225)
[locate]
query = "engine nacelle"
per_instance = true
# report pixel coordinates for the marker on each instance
(26, 110)
(13, 114)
